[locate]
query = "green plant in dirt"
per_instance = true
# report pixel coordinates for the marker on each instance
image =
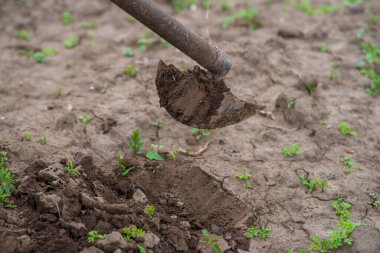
(94, 235)
(352, 2)
(39, 57)
(339, 237)
(360, 33)
(310, 88)
(157, 124)
(70, 168)
(67, 18)
(324, 48)
(345, 129)
(291, 103)
(181, 5)
(248, 186)
(154, 152)
(243, 176)
(148, 39)
(374, 202)
(132, 232)
(48, 52)
(174, 153)
(7, 181)
(71, 42)
(130, 19)
(124, 166)
(28, 136)
(44, 139)
(85, 119)
(373, 20)
(89, 26)
(308, 183)
(199, 133)
(128, 52)
(292, 149)
(254, 231)
(226, 6)
(307, 7)
(348, 161)
(247, 16)
(322, 122)
(319, 183)
(211, 241)
(135, 143)
(333, 75)
(141, 249)
(21, 35)
(130, 70)
(150, 210)
(370, 66)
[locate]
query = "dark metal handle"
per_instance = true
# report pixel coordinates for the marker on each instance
(178, 35)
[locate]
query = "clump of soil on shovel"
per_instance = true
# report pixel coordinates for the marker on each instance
(197, 101)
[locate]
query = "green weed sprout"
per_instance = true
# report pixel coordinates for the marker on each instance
(89, 26)
(374, 202)
(28, 136)
(292, 149)
(181, 5)
(310, 88)
(141, 249)
(72, 42)
(130, 70)
(67, 18)
(324, 48)
(322, 122)
(39, 57)
(248, 186)
(346, 130)
(370, 66)
(157, 124)
(211, 241)
(308, 183)
(7, 181)
(226, 6)
(307, 7)
(148, 39)
(348, 161)
(254, 231)
(154, 153)
(135, 142)
(333, 75)
(248, 15)
(124, 167)
(48, 52)
(199, 133)
(71, 169)
(314, 183)
(150, 210)
(242, 176)
(44, 139)
(291, 102)
(94, 235)
(21, 35)
(85, 119)
(128, 52)
(132, 232)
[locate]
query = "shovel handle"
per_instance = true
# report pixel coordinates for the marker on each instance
(170, 29)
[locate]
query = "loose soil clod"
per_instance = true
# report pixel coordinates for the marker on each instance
(194, 100)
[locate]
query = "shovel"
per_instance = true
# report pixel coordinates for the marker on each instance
(197, 98)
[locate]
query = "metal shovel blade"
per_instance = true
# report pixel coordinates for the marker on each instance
(193, 99)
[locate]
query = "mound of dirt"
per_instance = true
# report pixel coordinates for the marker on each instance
(194, 100)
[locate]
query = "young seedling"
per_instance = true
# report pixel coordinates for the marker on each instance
(310, 87)
(89, 26)
(211, 241)
(319, 183)
(174, 153)
(370, 66)
(314, 183)
(324, 48)
(44, 139)
(181, 5)
(150, 210)
(360, 33)
(374, 202)
(307, 7)
(226, 6)
(322, 122)
(130, 70)
(248, 186)
(94, 235)
(148, 39)
(39, 57)
(154, 153)
(135, 142)
(28, 136)
(292, 149)
(70, 168)
(243, 176)
(141, 249)
(72, 42)
(333, 75)
(348, 161)
(67, 18)
(21, 35)
(132, 232)
(157, 124)
(85, 119)
(130, 19)
(49, 52)
(346, 130)
(373, 20)
(7, 181)
(199, 133)
(247, 16)
(254, 231)
(128, 52)
(308, 183)
(291, 102)
(124, 166)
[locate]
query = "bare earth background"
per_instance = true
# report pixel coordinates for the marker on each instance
(199, 190)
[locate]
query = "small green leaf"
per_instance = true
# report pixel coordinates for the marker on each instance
(151, 155)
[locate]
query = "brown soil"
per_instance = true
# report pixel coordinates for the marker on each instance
(270, 65)
(194, 100)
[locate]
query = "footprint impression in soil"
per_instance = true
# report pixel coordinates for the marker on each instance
(194, 100)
